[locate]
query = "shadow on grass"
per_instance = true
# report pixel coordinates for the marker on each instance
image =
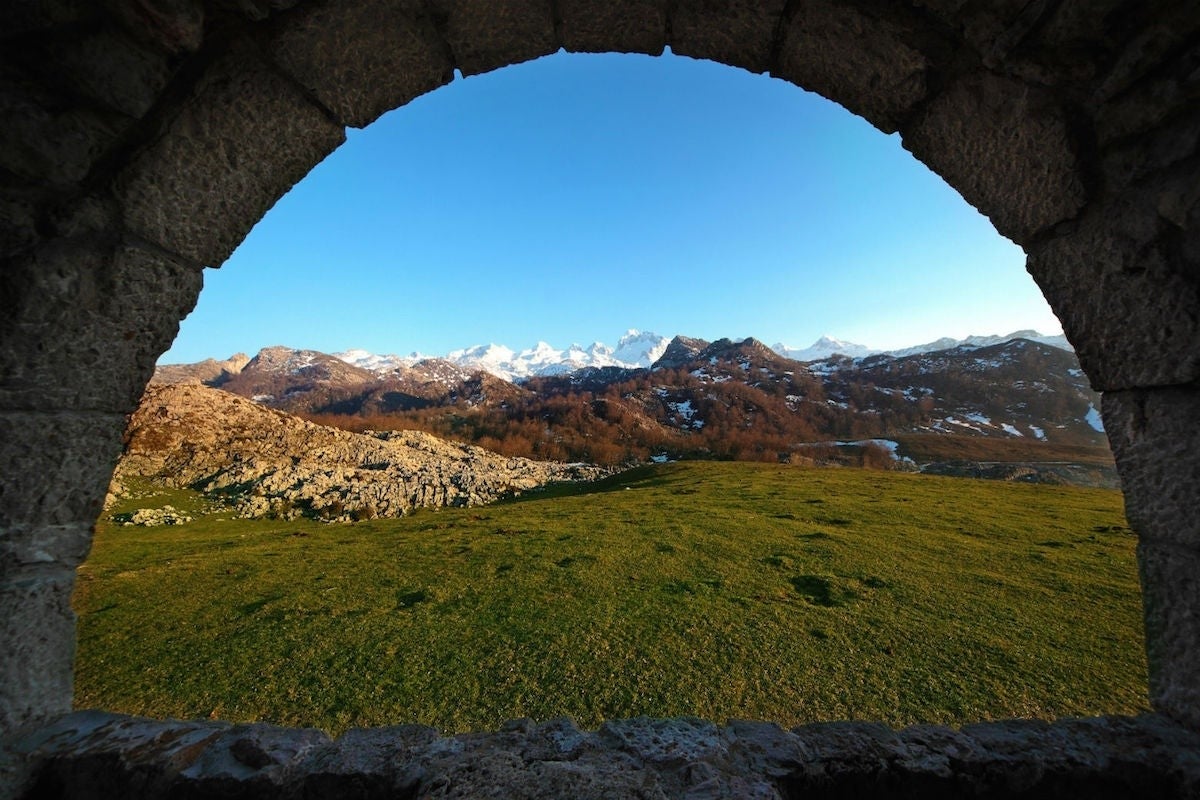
(821, 591)
(642, 477)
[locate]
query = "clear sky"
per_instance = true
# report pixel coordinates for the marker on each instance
(572, 197)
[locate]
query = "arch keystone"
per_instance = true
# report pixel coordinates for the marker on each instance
(740, 33)
(488, 34)
(626, 26)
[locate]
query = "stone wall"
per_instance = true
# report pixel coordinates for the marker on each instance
(97, 755)
(143, 138)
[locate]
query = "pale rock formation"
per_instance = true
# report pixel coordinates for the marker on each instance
(272, 464)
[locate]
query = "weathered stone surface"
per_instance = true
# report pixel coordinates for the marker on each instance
(625, 26)
(82, 322)
(1073, 41)
(865, 61)
(56, 462)
(45, 137)
(43, 546)
(1156, 442)
(256, 10)
(740, 33)
(364, 58)
(665, 740)
(1006, 148)
(1171, 594)
(487, 34)
(242, 140)
(191, 435)
(37, 627)
(1122, 274)
(174, 26)
(24, 16)
(1114, 283)
(642, 758)
(1158, 29)
(18, 222)
(1160, 154)
(105, 65)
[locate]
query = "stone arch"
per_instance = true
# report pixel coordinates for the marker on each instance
(144, 139)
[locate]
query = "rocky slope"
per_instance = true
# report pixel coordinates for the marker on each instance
(209, 371)
(269, 463)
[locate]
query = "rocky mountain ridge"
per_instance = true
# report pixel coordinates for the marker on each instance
(266, 462)
(635, 349)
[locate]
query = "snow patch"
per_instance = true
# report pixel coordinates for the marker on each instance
(683, 409)
(1093, 419)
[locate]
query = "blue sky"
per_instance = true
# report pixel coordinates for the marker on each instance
(572, 197)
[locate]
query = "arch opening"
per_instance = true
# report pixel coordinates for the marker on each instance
(671, 257)
(1074, 146)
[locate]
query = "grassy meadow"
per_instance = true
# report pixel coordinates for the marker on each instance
(721, 590)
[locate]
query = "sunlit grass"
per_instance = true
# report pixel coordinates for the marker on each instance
(716, 590)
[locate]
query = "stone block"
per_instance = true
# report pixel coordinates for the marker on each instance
(57, 467)
(37, 647)
(1062, 45)
(1161, 153)
(17, 18)
(364, 58)
(624, 26)
(1171, 594)
(173, 26)
(1006, 148)
(103, 64)
(18, 221)
(740, 33)
(1150, 39)
(1079, 24)
(1117, 288)
(859, 58)
(48, 139)
(26, 546)
(256, 10)
(488, 34)
(242, 139)
(992, 28)
(83, 321)
(1156, 442)
(665, 740)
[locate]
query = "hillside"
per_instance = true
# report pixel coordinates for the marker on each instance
(265, 462)
(1027, 402)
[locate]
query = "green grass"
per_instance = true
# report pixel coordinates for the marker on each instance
(712, 589)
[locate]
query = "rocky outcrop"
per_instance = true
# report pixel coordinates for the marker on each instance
(209, 371)
(269, 463)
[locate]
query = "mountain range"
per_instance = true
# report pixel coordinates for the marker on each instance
(1020, 399)
(641, 349)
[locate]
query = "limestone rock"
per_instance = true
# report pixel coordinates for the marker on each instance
(271, 464)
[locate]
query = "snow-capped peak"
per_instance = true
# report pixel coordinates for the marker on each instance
(976, 341)
(639, 348)
(824, 347)
(377, 363)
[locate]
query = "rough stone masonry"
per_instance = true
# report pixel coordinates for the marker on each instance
(143, 138)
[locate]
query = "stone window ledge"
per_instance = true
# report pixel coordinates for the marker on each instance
(92, 754)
